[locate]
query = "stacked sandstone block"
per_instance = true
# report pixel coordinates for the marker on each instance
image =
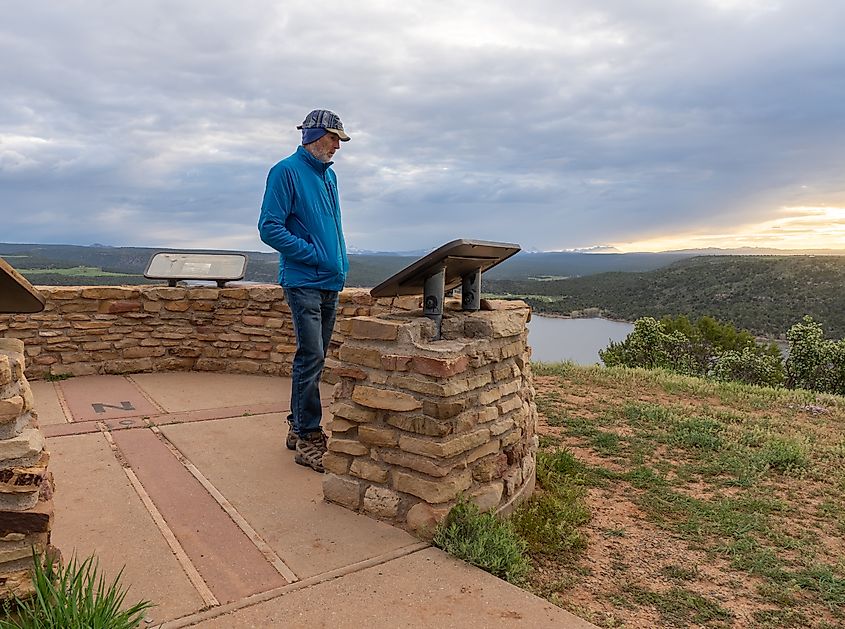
(418, 423)
(26, 487)
(128, 329)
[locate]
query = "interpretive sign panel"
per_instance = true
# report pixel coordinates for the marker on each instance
(214, 267)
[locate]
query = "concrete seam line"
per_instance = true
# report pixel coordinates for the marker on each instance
(281, 567)
(144, 394)
(229, 412)
(181, 556)
(63, 403)
(263, 597)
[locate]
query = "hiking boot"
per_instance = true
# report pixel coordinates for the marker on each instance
(310, 450)
(290, 440)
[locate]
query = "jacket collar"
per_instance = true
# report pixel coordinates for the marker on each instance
(316, 164)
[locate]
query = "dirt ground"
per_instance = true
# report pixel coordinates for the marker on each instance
(634, 572)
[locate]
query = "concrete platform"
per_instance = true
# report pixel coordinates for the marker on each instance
(183, 480)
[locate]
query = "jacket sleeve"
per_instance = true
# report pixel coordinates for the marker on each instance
(275, 210)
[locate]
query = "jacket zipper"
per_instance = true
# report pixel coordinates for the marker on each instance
(335, 212)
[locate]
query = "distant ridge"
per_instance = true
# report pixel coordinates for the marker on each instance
(417, 253)
(60, 264)
(758, 251)
(765, 294)
(594, 249)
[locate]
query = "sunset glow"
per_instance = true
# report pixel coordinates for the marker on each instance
(795, 228)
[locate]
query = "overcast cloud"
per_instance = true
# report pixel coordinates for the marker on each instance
(555, 124)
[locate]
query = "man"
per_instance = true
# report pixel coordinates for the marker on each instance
(300, 218)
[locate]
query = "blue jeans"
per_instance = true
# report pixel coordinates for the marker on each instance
(313, 312)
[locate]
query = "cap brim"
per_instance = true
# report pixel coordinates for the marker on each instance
(339, 133)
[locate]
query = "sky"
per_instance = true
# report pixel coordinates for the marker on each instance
(642, 125)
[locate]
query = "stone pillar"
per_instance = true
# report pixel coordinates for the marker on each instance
(26, 487)
(418, 423)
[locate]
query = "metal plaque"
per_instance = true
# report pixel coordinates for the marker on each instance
(215, 267)
(16, 294)
(459, 258)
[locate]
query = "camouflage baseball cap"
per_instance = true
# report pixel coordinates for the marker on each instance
(324, 119)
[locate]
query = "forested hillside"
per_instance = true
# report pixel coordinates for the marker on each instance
(74, 264)
(764, 294)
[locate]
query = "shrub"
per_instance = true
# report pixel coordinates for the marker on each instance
(708, 338)
(74, 597)
(748, 366)
(651, 347)
(706, 348)
(483, 540)
(814, 363)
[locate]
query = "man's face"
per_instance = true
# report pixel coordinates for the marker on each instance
(324, 148)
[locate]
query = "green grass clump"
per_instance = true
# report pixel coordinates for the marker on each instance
(784, 454)
(680, 573)
(56, 377)
(563, 368)
(550, 520)
(679, 607)
(549, 524)
(606, 442)
(699, 433)
(74, 597)
(483, 540)
(645, 415)
(823, 579)
(765, 618)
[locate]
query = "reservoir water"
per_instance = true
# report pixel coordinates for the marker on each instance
(579, 340)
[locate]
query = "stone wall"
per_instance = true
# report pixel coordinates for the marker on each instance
(129, 329)
(419, 423)
(26, 487)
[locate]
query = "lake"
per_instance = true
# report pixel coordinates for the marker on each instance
(579, 340)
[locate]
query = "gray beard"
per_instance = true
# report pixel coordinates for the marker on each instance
(322, 157)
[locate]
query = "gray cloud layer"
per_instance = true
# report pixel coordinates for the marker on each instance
(550, 123)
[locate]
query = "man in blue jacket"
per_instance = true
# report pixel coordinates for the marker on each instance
(300, 218)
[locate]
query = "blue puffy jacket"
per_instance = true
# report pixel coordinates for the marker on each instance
(300, 218)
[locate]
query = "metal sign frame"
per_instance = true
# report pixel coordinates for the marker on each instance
(17, 295)
(458, 262)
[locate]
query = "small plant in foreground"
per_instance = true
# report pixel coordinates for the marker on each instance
(56, 377)
(74, 597)
(550, 520)
(483, 540)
